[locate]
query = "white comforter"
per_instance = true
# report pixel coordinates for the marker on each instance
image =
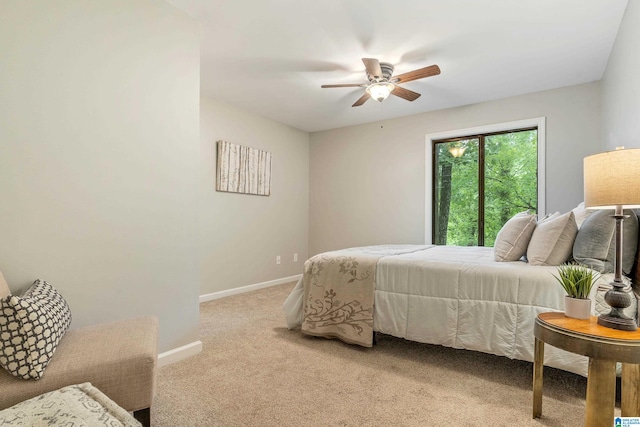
(461, 297)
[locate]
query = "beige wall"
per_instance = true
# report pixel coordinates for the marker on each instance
(240, 234)
(367, 183)
(621, 85)
(99, 158)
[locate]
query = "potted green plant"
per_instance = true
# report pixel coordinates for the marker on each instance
(577, 281)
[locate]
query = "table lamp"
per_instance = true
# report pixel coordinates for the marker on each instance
(612, 181)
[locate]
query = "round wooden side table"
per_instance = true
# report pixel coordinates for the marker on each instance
(604, 347)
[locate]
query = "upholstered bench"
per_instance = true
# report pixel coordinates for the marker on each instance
(119, 358)
(74, 405)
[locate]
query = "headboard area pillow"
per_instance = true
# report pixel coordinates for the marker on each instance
(595, 243)
(552, 240)
(513, 238)
(581, 213)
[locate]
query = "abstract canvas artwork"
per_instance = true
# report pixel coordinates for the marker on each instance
(243, 169)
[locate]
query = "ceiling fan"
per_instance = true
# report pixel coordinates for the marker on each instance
(382, 84)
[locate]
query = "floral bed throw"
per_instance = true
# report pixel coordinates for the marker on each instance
(80, 405)
(339, 293)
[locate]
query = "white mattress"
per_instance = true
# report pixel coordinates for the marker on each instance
(461, 297)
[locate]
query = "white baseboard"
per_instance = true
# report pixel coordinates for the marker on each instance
(248, 288)
(177, 354)
(191, 349)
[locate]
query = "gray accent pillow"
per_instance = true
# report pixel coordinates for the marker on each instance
(513, 238)
(595, 243)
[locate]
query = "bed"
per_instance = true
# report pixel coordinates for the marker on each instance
(459, 297)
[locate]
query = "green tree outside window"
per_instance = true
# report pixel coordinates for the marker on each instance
(480, 182)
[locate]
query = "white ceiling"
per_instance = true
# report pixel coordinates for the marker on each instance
(271, 56)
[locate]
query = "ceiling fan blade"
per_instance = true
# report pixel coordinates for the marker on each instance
(345, 85)
(407, 94)
(362, 100)
(373, 67)
(432, 70)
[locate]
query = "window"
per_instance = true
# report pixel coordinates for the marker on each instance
(478, 178)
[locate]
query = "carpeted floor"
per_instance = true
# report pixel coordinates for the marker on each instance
(253, 371)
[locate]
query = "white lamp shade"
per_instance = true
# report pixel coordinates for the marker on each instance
(612, 179)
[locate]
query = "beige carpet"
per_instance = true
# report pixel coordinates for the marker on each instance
(255, 372)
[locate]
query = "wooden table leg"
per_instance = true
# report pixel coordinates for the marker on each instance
(601, 392)
(538, 366)
(630, 399)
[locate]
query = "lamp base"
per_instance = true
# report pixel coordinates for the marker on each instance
(621, 323)
(618, 300)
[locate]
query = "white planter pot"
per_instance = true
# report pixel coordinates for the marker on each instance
(577, 308)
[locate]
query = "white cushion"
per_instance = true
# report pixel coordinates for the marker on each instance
(552, 240)
(581, 213)
(513, 238)
(554, 215)
(74, 405)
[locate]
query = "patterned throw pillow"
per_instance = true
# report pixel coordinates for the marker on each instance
(31, 327)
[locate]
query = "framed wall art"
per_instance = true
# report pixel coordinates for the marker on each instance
(242, 169)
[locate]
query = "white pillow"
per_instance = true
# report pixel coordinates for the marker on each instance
(547, 217)
(581, 213)
(513, 238)
(552, 240)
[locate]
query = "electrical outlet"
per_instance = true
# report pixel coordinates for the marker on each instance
(295, 257)
(278, 260)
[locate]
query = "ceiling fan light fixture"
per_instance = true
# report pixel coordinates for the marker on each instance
(380, 91)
